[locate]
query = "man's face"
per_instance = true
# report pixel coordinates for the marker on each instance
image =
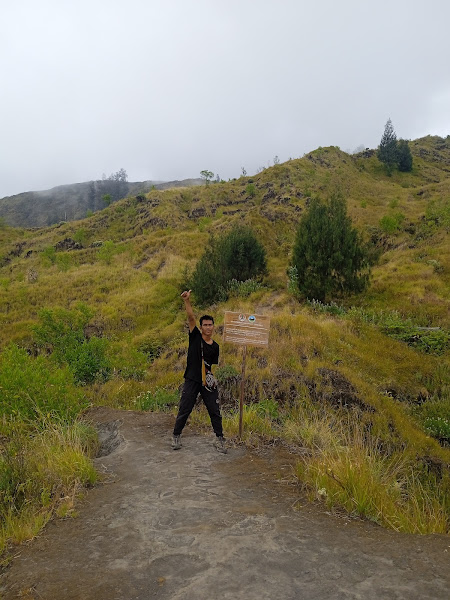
(207, 327)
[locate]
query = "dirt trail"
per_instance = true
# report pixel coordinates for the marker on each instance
(197, 525)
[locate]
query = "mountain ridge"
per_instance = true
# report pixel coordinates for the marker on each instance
(73, 201)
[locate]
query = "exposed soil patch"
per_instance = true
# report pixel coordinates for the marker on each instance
(195, 524)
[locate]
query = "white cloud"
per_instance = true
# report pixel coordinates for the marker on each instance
(167, 88)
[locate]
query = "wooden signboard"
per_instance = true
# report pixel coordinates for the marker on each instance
(246, 329)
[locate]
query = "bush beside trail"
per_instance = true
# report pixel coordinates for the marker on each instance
(44, 449)
(237, 256)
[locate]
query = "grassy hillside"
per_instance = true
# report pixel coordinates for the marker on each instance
(362, 387)
(73, 201)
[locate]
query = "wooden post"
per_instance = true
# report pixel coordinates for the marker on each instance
(241, 399)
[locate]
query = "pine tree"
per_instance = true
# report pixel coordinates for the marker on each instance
(387, 150)
(404, 156)
(328, 253)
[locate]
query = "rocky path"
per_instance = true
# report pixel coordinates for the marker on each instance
(197, 525)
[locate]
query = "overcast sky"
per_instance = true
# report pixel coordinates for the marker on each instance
(167, 88)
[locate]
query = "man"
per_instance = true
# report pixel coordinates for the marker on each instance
(203, 352)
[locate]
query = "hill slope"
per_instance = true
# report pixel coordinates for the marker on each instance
(336, 381)
(72, 202)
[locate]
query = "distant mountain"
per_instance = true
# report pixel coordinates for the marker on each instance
(74, 201)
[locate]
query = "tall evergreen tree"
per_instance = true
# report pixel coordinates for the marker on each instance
(387, 150)
(328, 253)
(404, 156)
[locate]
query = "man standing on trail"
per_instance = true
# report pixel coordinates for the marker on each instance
(203, 352)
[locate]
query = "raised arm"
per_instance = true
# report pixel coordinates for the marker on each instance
(187, 305)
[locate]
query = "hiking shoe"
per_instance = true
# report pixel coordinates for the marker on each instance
(176, 442)
(219, 445)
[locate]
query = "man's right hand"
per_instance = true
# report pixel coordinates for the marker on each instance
(187, 305)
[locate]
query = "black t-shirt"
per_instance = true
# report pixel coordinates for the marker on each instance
(194, 357)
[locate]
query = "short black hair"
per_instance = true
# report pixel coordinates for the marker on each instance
(206, 318)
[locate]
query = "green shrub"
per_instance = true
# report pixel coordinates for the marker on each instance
(89, 361)
(434, 413)
(430, 341)
(226, 374)
(128, 362)
(268, 408)
(63, 261)
(236, 255)
(106, 252)
(388, 224)
(62, 332)
(438, 213)
(49, 255)
(251, 190)
(151, 347)
(243, 256)
(391, 223)
(436, 264)
(33, 388)
(439, 428)
(80, 236)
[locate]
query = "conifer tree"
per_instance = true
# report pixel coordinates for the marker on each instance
(328, 253)
(387, 150)
(404, 156)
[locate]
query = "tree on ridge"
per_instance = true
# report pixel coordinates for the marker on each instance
(387, 150)
(328, 253)
(404, 156)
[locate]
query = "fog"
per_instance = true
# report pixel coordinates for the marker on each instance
(165, 89)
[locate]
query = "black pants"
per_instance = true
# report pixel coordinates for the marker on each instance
(191, 389)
